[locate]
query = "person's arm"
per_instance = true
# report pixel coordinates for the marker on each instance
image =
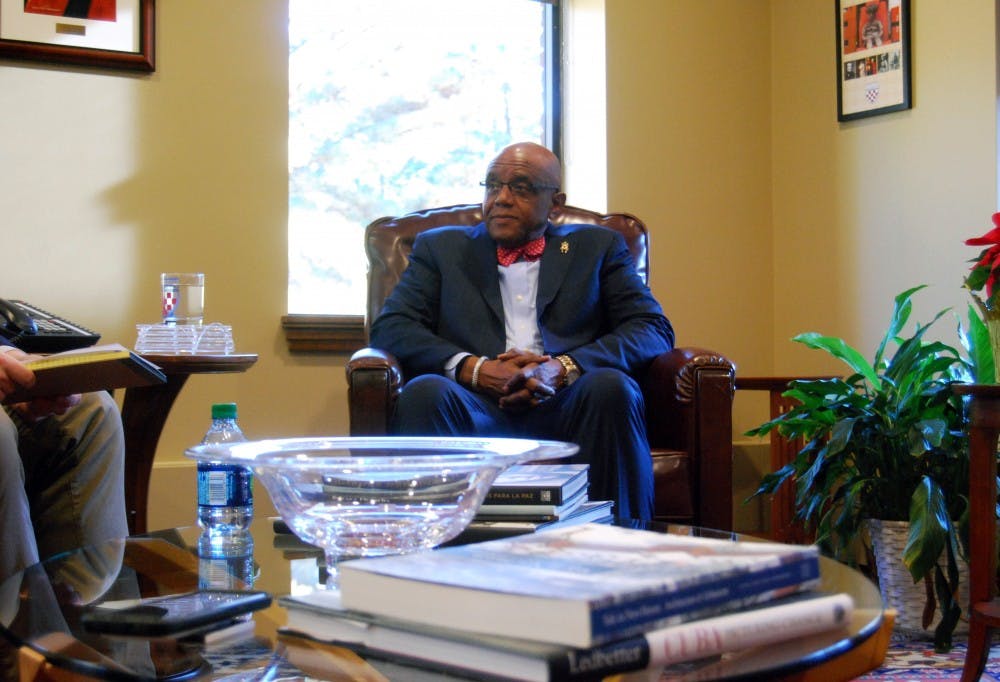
(638, 331)
(406, 325)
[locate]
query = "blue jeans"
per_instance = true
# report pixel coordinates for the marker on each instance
(602, 412)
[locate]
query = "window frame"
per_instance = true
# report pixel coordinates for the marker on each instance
(327, 334)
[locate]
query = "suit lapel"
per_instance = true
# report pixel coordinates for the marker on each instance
(484, 254)
(556, 260)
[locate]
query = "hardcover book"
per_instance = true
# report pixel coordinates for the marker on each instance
(84, 370)
(578, 586)
(520, 659)
(594, 511)
(538, 484)
(535, 512)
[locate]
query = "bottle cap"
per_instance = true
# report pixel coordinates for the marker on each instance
(224, 411)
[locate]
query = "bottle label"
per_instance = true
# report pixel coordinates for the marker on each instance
(226, 573)
(224, 485)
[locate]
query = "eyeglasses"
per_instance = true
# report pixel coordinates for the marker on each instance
(522, 189)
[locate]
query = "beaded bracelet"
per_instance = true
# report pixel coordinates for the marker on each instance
(475, 372)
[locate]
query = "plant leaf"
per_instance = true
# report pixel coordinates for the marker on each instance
(979, 348)
(977, 277)
(839, 349)
(930, 528)
(900, 315)
(946, 586)
(930, 603)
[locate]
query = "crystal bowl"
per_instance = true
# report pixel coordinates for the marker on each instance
(374, 496)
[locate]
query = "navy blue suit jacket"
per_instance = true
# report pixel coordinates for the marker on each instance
(591, 302)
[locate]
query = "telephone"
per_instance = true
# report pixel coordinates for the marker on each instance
(35, 331)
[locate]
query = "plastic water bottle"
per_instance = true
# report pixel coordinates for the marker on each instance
(225, 491)
(225, 566)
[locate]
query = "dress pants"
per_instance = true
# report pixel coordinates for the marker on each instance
(602, 412)
(62, 481)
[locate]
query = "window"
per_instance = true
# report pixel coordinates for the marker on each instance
(397, 105)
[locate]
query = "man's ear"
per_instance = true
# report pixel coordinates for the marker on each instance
(558, 201)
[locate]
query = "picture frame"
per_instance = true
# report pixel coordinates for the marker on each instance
(873, 57)
(107, 34)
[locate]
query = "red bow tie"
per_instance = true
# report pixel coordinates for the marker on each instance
(530, 251)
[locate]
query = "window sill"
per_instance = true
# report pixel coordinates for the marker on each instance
(324, 333)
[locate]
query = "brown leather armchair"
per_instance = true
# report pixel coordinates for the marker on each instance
(688, 391)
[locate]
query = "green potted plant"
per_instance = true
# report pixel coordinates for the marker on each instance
(885, 442)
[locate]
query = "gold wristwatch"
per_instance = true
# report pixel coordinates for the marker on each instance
(572, 369)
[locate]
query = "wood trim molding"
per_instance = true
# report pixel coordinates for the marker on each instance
(324, 333)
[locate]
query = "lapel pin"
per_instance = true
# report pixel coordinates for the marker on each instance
(564, 247)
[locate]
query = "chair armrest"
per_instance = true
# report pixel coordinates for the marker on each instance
(689, 408)
(374, 379)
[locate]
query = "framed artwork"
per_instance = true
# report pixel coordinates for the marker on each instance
(873, 57)
(113, 34)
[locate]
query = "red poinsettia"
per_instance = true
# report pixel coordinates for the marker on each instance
(986, 271)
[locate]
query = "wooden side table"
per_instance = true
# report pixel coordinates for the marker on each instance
(144, 412)
(984, 607)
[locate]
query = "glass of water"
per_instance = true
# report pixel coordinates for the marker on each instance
(182, 297)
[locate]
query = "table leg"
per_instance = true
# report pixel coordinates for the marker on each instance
(144, 412)
(983, 432)
(978, 649)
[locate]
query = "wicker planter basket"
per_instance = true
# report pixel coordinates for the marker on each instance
(897, 587)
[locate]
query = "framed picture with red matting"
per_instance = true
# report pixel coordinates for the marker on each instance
(111, 34)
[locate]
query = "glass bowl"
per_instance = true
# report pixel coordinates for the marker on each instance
(356, 496)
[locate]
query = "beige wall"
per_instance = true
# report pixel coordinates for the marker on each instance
(722, 133)
(689, 150)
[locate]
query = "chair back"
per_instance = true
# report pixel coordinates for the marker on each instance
(389, 241)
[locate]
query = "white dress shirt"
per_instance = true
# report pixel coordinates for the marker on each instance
(518, 291)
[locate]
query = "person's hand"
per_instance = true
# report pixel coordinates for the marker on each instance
(495, 374)
(40, 408)
(534, 381)
(14, 373)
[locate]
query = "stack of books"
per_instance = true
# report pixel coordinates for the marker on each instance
(530, 497)
(572, 603)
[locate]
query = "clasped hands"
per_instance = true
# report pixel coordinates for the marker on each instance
(14, 373)
(520, 380)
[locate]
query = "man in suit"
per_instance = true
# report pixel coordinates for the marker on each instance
(62, 470)
(520, 328)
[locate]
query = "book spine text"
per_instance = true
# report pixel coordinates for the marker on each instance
(616, 620)
(709, 637)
